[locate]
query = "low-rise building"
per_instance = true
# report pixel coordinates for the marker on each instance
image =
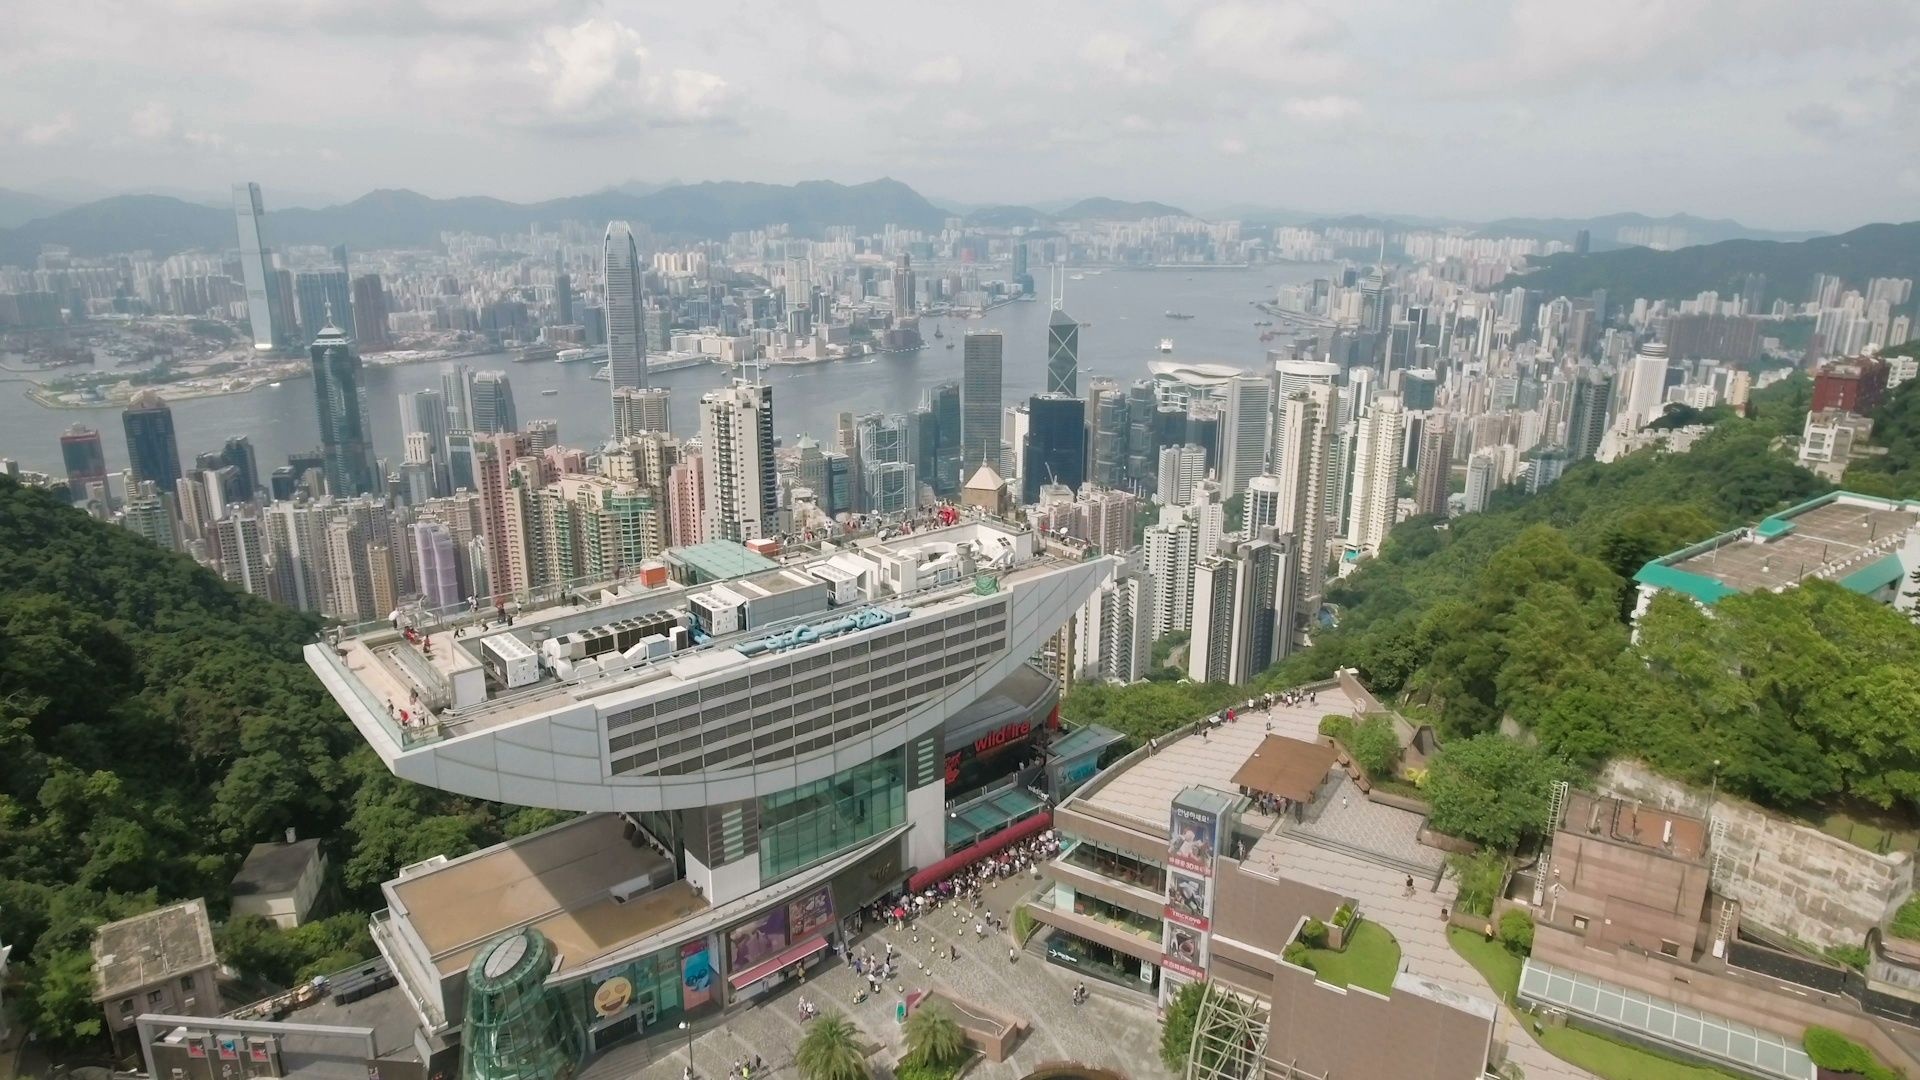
(281, 882)
(159, 962)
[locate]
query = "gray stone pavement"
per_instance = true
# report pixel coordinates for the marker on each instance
(1344, 815)
(1115, 1029)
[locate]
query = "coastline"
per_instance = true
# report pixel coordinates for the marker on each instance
(241, 383)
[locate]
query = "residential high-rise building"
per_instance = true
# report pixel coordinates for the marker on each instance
(85, 459)
(435, 567)
(626, 312)
(240, 546)
(739, 494)
(266, 315)
(370, 314)
(148, 511)
(344, 438)
(563, 298)
(1063, 353)
(686, 487)
(491, 404)
(1592, 392)
(1244, 421)
(980, 388)
(1172, 548)
(638, 409)
(1378, 448)
(1263, 503)
(423, 413)
(1483, 477)
(325, 298)
(1180, 470)
(1107, 421)
(1433, 473)
(1242, 603)
(1113, 632)
(152, 450)
(1056, 444)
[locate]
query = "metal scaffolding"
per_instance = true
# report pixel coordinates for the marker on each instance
(1229, 1037)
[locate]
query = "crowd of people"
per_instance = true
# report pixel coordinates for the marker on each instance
(1012, 861)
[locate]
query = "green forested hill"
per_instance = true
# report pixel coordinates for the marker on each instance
(154, 724)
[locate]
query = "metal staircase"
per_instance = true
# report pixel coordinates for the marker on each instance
(1543, 876)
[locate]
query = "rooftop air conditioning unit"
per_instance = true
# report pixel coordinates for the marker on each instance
(631, 888)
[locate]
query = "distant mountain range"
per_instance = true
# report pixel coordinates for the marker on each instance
(1628, 230)
(1867, 252)
(19, 207)
(164, 225)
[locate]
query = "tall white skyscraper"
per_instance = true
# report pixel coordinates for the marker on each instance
(1241, 604)
(1181, 470)
(1647, 394)
(1113, 636)
(1244, 420)
(434, 566)
(1263, 503)
(738, 490)
(1483, 475)
(1304, 512)
(638, 409)
(1377, 452)
(265, 318)
(626, 318)
(1172, 546)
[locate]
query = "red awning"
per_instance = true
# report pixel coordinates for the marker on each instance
(779, 963)
(994, 844)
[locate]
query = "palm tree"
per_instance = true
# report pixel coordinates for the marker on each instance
(831, 1050)
(933, 1038)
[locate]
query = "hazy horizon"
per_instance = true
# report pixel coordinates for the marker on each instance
(1777, 114)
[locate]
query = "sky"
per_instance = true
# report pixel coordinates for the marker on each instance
(1781, 113)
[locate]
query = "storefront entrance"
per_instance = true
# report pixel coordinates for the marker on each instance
(1097, 961)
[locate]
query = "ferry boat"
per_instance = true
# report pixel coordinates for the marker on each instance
(1166, 344)
(571, 356)
(537, 352)
(1179, 315)
(549, 393)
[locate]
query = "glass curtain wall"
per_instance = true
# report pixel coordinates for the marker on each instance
(807, 824)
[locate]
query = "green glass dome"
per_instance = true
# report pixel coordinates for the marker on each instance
(516, 1028)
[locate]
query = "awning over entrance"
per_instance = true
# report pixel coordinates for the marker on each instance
(779, 963)
(994, 844)
(981, 817)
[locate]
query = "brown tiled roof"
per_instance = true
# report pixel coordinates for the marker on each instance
(1289, 768)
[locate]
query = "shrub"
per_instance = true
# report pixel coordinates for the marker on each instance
(1906, 921)
(1835, 1052)
(1337, 726)
(1176, 1031)
(1375, 745)
(1343, 917)
(1853, 956)
(1314, 934)
(1023, 924)
(1516, 932)
(1481, 876)
(1296, 954)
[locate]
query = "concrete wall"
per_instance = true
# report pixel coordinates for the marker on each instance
(1787, 878)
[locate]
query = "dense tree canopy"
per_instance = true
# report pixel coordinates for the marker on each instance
(155, 723)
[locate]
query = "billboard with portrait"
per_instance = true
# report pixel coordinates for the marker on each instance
(757, 941)
(809, 913)
(1188, 900)
(696, 974)
(1193, 839)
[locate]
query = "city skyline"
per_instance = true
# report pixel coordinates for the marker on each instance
(1300, 104)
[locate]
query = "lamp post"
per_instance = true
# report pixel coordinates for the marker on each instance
(688, 1028)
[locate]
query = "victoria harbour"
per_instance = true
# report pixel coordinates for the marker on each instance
(1122, 312)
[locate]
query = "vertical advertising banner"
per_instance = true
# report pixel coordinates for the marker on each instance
(696, 975)
(1193, 842)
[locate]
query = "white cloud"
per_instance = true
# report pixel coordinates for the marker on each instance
(47, 132)
(1119, 55)
(938, 71)
(1233, 146)
(961, 121)
(1286, 41)
(597, 77)
(152, 121)
(1325, 109)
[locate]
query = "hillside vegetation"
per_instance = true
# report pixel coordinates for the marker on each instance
(1867, 252)
(155, 723)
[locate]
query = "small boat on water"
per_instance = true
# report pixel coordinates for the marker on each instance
(549, 393)
(1166, 344)
(1179, 314)
(272, 385)
(949, 344)
(939, 333)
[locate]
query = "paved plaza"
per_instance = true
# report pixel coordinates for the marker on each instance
(1115, 1029)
